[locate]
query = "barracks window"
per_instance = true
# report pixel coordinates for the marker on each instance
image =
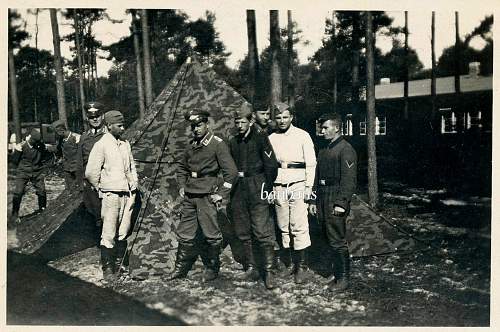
(380, 126)
(347, 125)
(448, 121)
(473, 120)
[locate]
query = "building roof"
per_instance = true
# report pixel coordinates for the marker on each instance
(444, 85)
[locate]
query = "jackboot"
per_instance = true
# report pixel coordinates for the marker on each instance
(251, 272)
(300, 267)
(16, 205)
(42, 202)
(212, 263)
(108, 264)
(283, 263)
(121, 256)
(269, 280)
(183, 262)
(342, 269)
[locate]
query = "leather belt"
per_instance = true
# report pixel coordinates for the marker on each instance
(196, 175)
(286, 165)
(327, 182)
(249, 173)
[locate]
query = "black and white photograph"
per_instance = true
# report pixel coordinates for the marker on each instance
(217, 163)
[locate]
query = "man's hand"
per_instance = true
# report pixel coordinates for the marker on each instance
(313, 210)
(338, 211)
(215, 198)
(181, 192)
(307, 193)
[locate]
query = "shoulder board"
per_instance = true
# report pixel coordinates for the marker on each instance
(217, 138)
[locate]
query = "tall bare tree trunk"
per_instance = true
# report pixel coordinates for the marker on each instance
(458, 55)
(290, 78)
(356, 32)
(253, 56)
(76, 20)
(334, 62)
(61, 103)
(138, 64)
(406, 77)
(13, 95)
(37, 69)
(276, 93)
(96, 78)
(147, 57)
(370, 113)
(433, 71)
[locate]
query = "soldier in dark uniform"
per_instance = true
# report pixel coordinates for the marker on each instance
(335, 183)
(205, 157)
(68, 147)
(94, 112)
(262, 121)
(257, 170)
(29, 157)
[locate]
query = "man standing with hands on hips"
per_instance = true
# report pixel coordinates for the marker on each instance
(111, 172)
(294, 150)
(335, 183)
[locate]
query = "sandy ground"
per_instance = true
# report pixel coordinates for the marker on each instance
(447, 285)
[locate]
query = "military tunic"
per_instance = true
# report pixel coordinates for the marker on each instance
(30, 167)
(197, 174)
(257, 170)
(85, 145)
(69, 149)
(335, 183)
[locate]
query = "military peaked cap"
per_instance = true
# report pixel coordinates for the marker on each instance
(94, 108)
(196, 116)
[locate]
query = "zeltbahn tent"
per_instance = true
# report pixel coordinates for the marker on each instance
(158, 142)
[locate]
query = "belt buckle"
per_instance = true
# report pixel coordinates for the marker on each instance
(194, 174)
(284, 165)
(322, 182)
(241, 174)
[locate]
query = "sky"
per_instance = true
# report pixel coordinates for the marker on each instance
(231, 25)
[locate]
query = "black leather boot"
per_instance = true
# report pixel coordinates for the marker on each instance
(121, 256)
(342, 269)
(269, 267)
(42, 202)
(108, 264)
(183, 262)
(283, 263)
(16, 205)
(300, 267)
(251, 271)
(212, 262)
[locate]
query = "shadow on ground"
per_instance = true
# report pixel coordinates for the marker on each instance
(40, 295)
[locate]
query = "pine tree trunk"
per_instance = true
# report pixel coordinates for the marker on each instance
(370, 113)
(13, 96)
(290, 77)
(138, 65)
(433, 72)
(355, 73)
(37, 68)
(334, 63)
(61, 104)
(80, 64)
(253, 57)
(406, 78)
(458, 55)
(276, 93)
(147, 57)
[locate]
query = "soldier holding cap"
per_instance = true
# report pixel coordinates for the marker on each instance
(205, 157)
(94, 112)
(29, 157)
(257, 170)
(68, 146)
(111, 172)
(294, 150)
(335, 183)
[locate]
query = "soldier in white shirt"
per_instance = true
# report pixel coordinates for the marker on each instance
(294, 150)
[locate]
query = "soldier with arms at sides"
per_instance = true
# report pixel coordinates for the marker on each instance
(335, 183)
(294, 150)
(202, 194)
(257, 170)
(68, 146)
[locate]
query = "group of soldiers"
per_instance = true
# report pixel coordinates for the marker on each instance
(268, 173)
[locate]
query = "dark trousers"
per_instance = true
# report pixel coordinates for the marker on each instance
(91, 200)
(334, 226)
(251, 214)
(37, 179)
(70, 179)
(198, 211)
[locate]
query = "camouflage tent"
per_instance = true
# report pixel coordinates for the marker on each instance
(158, 141)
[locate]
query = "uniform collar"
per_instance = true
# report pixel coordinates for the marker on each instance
(289, 131)
(117, 141)
(204, 141)
(248, 134)
(333, 143)
(67, 138)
